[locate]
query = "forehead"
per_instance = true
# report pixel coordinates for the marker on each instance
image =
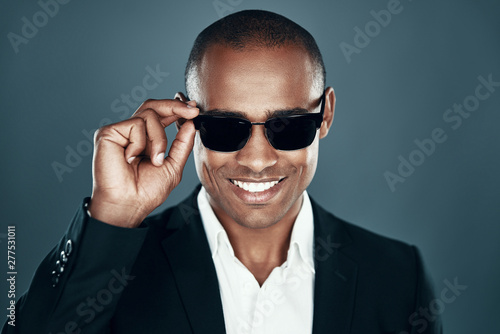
(255, 79)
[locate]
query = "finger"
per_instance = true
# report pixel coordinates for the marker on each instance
(157, 139)
(129, 135)
(136, 135)
(176, 118)
(169, 108)
(181, 147)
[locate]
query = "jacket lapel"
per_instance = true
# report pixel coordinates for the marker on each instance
(336, 274)
(189, 255)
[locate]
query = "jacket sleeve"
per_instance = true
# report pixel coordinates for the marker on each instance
(426, 319)
(77, 286)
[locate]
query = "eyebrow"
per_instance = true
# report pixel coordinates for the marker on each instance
(269, 114)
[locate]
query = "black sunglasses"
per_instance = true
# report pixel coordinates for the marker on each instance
(285, 133)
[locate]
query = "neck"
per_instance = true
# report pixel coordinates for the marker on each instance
(261, 249)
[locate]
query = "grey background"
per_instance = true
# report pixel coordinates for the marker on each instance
(395, 90)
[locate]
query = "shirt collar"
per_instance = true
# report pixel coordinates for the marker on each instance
(302, 238)
(301, 241)
(213, 228)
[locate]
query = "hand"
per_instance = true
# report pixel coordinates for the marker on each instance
(131, 176)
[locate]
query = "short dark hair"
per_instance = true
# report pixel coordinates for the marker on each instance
(253, 28)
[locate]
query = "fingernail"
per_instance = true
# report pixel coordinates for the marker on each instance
(190, 106)
(130, 160)
(159, 158)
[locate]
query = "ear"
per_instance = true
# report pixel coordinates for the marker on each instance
(181, 97)
(329, 112)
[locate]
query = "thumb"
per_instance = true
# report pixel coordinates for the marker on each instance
(181, 147)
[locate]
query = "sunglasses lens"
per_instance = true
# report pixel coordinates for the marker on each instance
(291, 133)
(224, 134)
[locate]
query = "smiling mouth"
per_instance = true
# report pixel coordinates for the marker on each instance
(255, 187)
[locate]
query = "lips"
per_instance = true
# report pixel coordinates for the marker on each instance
(256, 191)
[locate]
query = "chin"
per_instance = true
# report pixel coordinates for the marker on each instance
(257, 217)
(256, 222)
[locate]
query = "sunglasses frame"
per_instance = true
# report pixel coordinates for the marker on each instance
(316, 117)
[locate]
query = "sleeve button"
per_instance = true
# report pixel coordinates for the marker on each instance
(69, 247)
(59, 267)
(55, 280)
(63, 257)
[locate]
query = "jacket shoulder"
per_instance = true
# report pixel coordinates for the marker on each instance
(362, 245)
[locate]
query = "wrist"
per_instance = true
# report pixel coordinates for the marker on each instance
(121, 215)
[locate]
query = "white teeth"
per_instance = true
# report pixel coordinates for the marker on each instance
(254, 187)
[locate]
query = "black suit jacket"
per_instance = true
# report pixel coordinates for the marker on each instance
(160, 278)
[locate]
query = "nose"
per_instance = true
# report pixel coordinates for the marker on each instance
(257, 154)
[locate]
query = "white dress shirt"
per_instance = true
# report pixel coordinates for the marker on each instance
(284, 303)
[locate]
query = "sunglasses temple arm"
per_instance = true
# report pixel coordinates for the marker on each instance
(323, 98)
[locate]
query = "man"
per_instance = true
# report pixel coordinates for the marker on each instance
(248, 251)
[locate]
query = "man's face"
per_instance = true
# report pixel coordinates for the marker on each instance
(253, 84)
